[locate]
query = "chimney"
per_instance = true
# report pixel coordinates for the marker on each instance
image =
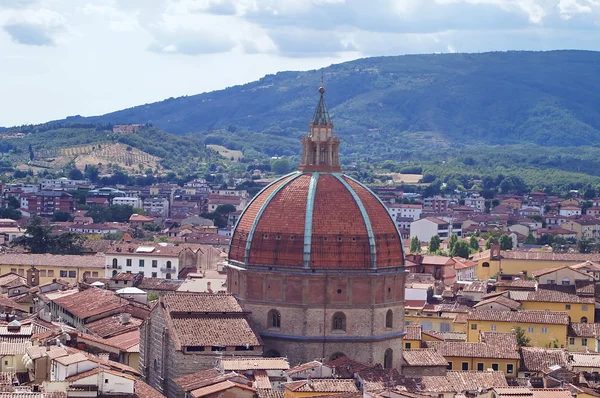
(124, 318)
(104, 357)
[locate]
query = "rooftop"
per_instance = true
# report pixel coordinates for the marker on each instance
(52, 260)
(322, 385)
(531, 316)
(90, 302)
(242, 364)
(424, 357)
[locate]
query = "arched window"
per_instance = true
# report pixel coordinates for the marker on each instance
(584, 319)
(114, 263)
(168, 264)
(566, 281)
(114, 272)
(336, 355)
(388, 358)
(339, 321)
(389, 319)
(168, 276)
(274, 319)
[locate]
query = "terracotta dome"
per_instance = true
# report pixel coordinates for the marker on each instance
(316, 220)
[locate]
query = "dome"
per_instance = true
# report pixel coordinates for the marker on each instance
(316, 220)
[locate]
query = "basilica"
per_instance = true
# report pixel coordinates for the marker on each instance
(317, 262)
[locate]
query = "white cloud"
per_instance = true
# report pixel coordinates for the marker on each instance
(129, 52)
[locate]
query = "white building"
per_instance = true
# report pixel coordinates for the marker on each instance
(107, 381)
(70, 365)
(63, 184)
(476, 203)
(134, 202)
(153, 261)
(569, 211)
(156, 205)
(9, 230)
(425, 228)
(403, 210)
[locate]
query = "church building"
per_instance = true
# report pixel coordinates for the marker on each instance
(317, 262)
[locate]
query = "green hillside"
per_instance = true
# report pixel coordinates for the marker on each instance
(459, 118)
(405, 102)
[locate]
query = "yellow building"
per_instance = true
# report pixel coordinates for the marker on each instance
(318, 387)
(416, 337)
(585, 228)
(544, 328)
(70, 268)
(555, 298)
(496, 351)
(495, 262)
(438, 318)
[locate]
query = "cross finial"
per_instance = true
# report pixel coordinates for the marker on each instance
(321, 77)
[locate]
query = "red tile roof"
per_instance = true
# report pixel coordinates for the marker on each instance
(321, 385)
(473, 350)
(537, 359)
(424, 357)
(90, 302)
(340, 237)
(543, 317)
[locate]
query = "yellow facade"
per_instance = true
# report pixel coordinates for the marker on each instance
(577, 312)
(585, 231)
(48, 273)
(483, 364)
(486, 267)
(445, 323)
(411, 344)
(541, 335)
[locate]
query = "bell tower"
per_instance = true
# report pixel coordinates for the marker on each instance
(320, 148)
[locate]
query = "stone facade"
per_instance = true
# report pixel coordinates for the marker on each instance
(161, 361)
(372, 305)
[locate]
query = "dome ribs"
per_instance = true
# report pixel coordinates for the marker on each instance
(279, 234)
(387, 239)
(339, 235)
(248, 217)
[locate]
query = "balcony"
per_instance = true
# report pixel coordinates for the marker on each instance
(168, 269)
(109, 266)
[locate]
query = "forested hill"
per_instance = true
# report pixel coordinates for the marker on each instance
(544, 98)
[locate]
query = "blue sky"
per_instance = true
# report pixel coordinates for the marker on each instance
(68, 57)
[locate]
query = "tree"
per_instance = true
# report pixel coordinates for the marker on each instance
(589, 193)
(225, 209)
(585, 246)
(434, 244)
(280, 166)
(453, 239)
(61, 216)
(91, 172)
(31, 154)
(38, 238)
(11, 213)
(506, 242)
(415, 245)
(460, 249)
(522, 339)
(530, 240)
(489, 242)
(13, 202)
(474, 243)
(75, 174)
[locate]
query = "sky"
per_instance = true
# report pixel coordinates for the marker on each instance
(68, 57)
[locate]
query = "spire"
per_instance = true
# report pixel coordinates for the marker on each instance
(320, 148)
(321, 117)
